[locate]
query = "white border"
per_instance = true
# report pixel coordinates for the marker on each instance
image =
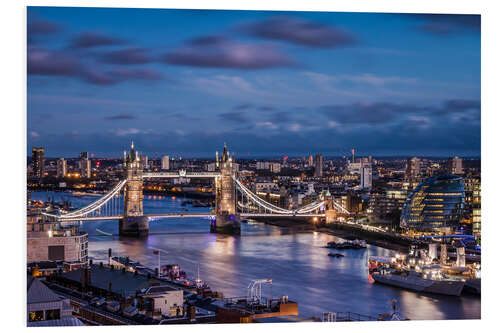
(13, 151)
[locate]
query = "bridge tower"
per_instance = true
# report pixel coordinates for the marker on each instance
(133, 223)
(330, 211)
(227, 220)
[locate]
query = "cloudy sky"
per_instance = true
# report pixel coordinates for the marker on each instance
(267, 83)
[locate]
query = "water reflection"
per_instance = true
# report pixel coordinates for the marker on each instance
(297, 262)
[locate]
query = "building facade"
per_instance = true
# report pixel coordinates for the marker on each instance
(165, 162)
(46, 243)
(436, 204)
(365, 175)
(85, 168)
(61, 168)
(318, 165)
(413, 166)
(454, 166)
(38, 161)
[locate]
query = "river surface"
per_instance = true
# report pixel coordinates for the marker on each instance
(297, 262)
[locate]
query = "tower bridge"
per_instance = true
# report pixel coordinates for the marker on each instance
(233, 200)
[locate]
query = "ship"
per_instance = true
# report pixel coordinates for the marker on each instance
(347, 245)
(428, 280)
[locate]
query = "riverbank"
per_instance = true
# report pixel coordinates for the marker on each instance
(342, 231)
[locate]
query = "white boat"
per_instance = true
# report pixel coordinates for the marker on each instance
(432, 282)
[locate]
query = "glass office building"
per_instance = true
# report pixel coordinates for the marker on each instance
(436, 204)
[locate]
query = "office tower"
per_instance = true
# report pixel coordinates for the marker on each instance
(61, 168)
(365, 175)
(275, 167)
(311, 162)
(165, 163)
(38, 161)
(144, 161)
(436, 204)
(318, 165)
(83, 154)
(413, 166)
(454, 166)
(85, 169)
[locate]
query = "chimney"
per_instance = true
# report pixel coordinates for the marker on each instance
(109, 256)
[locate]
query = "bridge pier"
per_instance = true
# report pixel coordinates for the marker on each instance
(134, 226)
(226, 224)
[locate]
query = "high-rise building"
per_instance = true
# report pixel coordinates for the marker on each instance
(413, 166)
(262, 165)
(61, 168)
(318, 165)
(275, 167)
(83, 154)
(165, 162)
(311, 161)
(85, 169)
(144, 161)
(365, 176)
(38, 161)
(454, 166)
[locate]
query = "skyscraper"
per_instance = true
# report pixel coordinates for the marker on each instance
(165, 162)
(318, 165)
(85, 169)
(454, 166)
(413, 166)
(38, 161)
(61, 168)
(365, 176)
(144, 161)
(83, 154)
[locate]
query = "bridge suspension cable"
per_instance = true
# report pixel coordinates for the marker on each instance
(275, 209)
(94, 206)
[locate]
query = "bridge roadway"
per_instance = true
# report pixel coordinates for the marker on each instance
(182, 215)
(181, 174)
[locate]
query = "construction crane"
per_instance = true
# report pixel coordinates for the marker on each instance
(254, 290)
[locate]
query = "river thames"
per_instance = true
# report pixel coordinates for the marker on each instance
(297, 262)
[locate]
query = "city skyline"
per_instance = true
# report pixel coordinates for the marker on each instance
(269, 83)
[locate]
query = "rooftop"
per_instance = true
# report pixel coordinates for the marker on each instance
(39, 293)
(121, 282)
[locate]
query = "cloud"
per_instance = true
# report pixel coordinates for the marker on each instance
(45, 62)
(461, 105)
(385, 113)
(34, 134)
(244, 106)
(234, 116)
(364, 78)
(221, 52)
(130, 131)
(267, 108)
(129, 56)
(118, 75)
(448, 24)
(300, 32)
(56, 63)
(40, 27)
(121, 116)
(93, 39)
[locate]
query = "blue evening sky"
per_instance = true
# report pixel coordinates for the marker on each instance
(183, 82)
